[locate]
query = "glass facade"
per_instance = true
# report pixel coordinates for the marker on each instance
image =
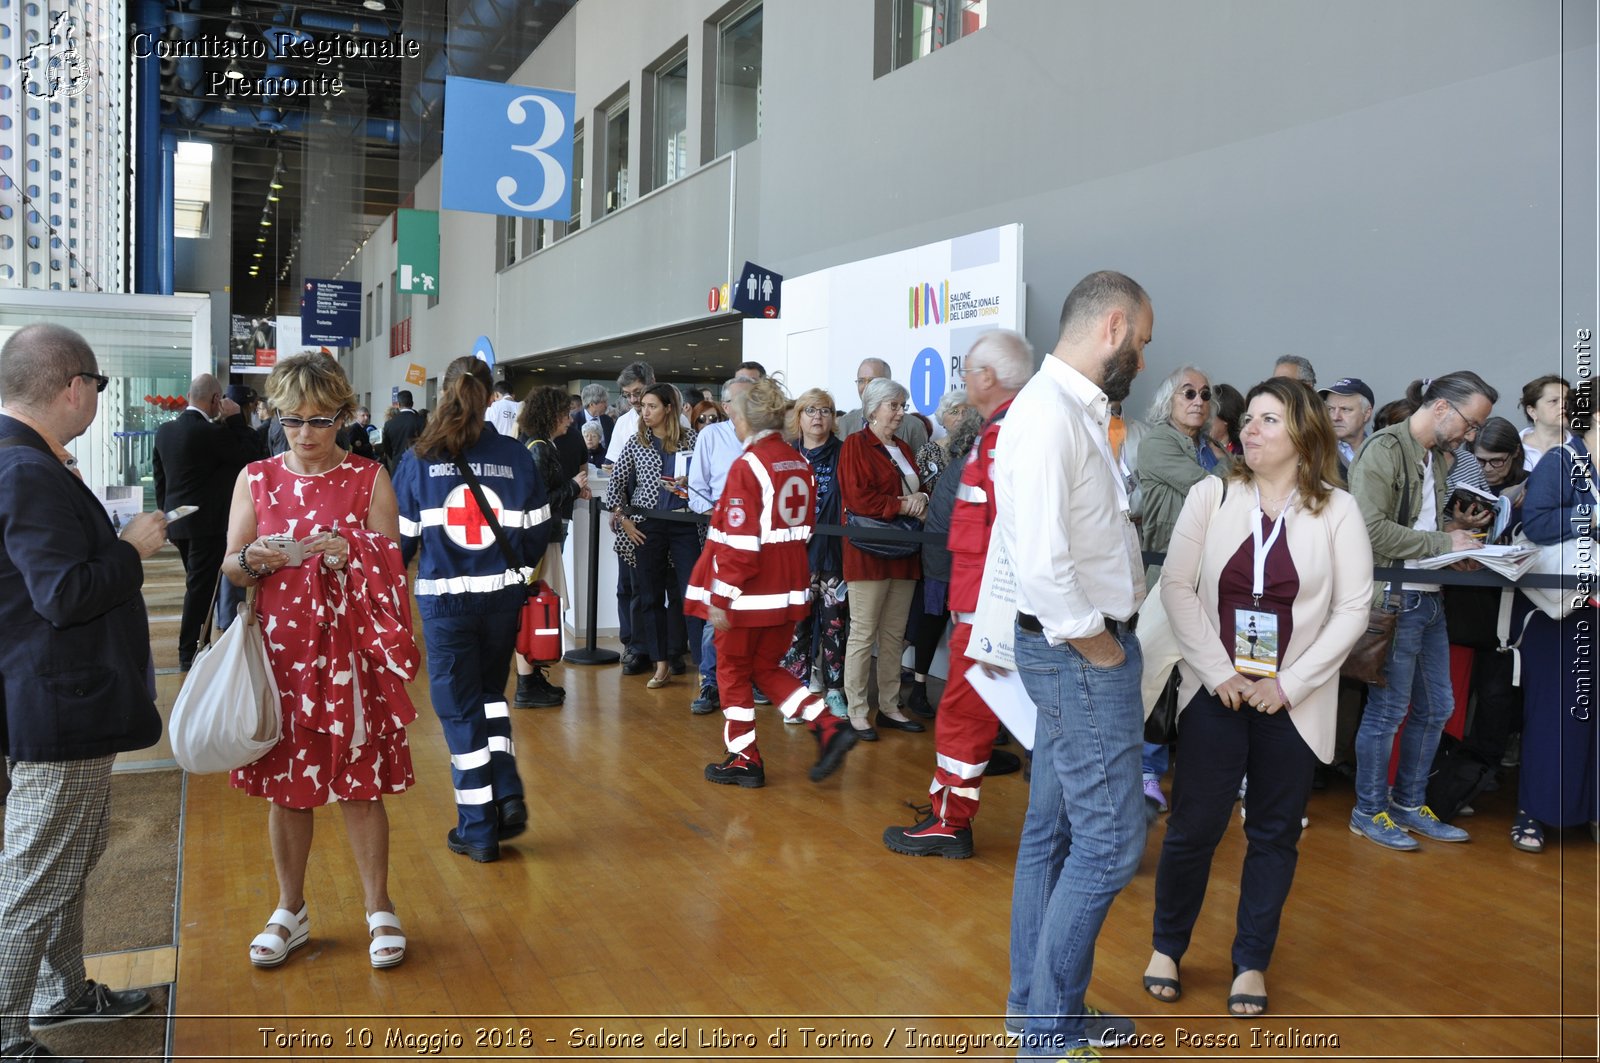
(739, 80)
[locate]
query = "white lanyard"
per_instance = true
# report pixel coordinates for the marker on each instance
(1259, 565)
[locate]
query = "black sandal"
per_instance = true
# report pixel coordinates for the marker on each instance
(1246, 999)
(1153, 982)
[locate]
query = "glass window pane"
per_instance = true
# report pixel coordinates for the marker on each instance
(671, 152)
(922, 27)
(617, 158)
(739, 81)
(578, 170)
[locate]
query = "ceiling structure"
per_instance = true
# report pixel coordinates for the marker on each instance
(324, 168)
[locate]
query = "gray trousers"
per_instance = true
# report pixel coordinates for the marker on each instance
(58, 817)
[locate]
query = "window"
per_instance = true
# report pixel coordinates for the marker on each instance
(670, 154)
(380, 327)
(372, 322)
(922, 27)
(616, 157)
(739, 80)
(574, 222)
(191, 192)
(507, 242)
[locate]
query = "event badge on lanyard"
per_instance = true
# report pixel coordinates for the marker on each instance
(1255, 630)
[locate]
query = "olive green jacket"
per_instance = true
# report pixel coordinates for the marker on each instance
(1385, 464)
(1167, 466)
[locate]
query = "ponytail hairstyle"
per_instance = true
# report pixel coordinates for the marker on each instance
(454, 428)
(763, 406)
(1456, 388)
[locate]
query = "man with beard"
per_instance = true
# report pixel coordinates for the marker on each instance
(1080, 581)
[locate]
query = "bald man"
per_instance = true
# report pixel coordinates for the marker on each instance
(198, 456)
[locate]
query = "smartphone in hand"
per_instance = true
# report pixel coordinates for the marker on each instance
(287, 544)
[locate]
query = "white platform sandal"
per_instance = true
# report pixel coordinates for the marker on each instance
(397, 940)
(298, 924)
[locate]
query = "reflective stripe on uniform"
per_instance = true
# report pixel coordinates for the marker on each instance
(971, 493)
(497, 744)
(481, 795)
(473, 584)
(496, 710)
(737, 542)
(730, 712)
(771, 601)
(960, 767)
(467, 761)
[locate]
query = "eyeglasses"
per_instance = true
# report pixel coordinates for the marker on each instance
(100, 382)
(303, 422)
(897, 407)
(633, 396)
(707, 418)
(1189, 393)
(1473, 427)
(963, 370)
(1493, 463)
(818, 411)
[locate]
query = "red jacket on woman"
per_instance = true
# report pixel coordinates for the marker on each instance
(870, 485)
(755, 566)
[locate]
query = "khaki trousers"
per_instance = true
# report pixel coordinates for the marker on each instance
(878, 611)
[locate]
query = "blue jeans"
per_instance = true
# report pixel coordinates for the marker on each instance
(1154, 760)
(708, 657)
(1083, 834)
(1419, 676)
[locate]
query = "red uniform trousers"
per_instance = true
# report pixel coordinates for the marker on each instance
(964, 732)
(746, 654)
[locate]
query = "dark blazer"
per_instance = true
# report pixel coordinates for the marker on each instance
(353, 437)
(75, 662)
(196, 464)
(581, 418)
(399, 432)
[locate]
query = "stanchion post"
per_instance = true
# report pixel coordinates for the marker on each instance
(588, 653)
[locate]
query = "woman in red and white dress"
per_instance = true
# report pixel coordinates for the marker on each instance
(338, 635)
(753, 581)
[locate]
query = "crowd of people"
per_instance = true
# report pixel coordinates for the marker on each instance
(1253, 519)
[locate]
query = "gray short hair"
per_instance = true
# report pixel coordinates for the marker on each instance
(593, 393)
(949, 402)
(1160, 411)
(592, 428)
(1302, 366)
(636, 373)
(37, 363)
(1007, 353)
(728, 386)
(879, 365)
(879, 391)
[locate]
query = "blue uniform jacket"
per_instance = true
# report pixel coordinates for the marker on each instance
(462, 570)
(75, 656)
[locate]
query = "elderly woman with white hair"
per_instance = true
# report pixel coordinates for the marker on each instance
(1176, 453)
(878, 479)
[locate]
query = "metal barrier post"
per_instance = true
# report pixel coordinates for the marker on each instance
(588, 653)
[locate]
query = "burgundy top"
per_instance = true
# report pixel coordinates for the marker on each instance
(1280, 586)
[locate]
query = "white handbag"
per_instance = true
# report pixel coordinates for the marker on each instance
(227, 713)
(1565, 558)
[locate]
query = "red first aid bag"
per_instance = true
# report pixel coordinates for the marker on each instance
(539, 634)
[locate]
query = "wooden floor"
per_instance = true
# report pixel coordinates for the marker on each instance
(713, 922)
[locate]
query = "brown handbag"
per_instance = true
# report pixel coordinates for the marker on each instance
(1371, 651)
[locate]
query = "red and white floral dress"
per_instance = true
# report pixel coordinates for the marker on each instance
(340, 643)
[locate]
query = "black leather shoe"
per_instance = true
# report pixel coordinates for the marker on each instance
(484, 855)
(677, 665)
(866, 734)
(889, 723)
(636, 665)
(917, 702)
(96, 1004)
(1003, 762)
(834, 740)
(513, 816)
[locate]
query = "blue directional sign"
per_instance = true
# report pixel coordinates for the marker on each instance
(758, 292)
(507, 149)
(330, 313)
(483, 351)
(926, 380)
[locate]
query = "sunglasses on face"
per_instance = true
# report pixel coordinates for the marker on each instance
(100, 382)
(303, 422)
(1189, 393)
(707, 418)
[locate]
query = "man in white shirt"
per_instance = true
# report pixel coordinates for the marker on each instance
(716, 448)
(1062, 514)
(502, 412)
(1349, 402)
(911, 431)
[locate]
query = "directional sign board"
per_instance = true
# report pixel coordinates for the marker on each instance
(758, 292)
(330, 313)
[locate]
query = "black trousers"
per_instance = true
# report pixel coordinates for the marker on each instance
(666, 559)
(1219, 747)
(202, 561)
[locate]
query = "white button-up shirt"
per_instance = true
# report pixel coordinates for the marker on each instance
(1062, 508)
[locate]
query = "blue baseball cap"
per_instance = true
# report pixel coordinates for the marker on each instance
(1350, 386)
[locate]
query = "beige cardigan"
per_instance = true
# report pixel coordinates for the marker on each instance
(1333, 558)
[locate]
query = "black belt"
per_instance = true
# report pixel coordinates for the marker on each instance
(1029, 622)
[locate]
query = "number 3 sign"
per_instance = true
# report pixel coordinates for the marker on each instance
(507, 149)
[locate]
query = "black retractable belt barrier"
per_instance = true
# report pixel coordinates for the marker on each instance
(589, 653)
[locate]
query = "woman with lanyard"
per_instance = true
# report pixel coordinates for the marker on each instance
(1277, 546)
(543, 419)
(469, 596)
(1559, 785)
(819, 638)
(652, 473)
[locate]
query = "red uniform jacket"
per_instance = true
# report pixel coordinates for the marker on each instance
(755, 567)
(870, 484)
(972, 518)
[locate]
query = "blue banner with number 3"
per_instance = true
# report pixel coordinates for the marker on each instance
(507, 149)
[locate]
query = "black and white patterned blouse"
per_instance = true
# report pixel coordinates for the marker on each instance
(636, 481)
